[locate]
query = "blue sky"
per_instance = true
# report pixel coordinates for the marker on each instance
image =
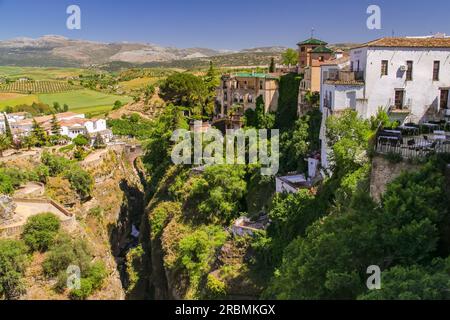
(222, 24)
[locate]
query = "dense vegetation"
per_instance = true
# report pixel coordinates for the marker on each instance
(321, 241)
(43, 233)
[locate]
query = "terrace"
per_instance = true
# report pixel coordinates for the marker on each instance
(344, 77)
(414, 141)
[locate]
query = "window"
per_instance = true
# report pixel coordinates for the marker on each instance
(261, 85)
(302, 49)
(436, 69)
(351, 66)
(384, 68)
(409, 72)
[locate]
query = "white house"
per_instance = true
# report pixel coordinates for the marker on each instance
(74, 127)
(407, 77)
(12, 118)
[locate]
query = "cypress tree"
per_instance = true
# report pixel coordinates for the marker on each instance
(8, 131)
(56, 128)
(272, 65)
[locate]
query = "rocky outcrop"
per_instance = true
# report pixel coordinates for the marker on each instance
(7, 210)
(384, 172)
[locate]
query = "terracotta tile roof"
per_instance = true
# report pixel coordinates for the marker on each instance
(336, 62)
(406, 42)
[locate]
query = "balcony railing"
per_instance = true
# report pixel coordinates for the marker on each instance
(346, 76)
(404, 108)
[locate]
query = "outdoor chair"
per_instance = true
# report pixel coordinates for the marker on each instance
(432, 147)
(412, 144)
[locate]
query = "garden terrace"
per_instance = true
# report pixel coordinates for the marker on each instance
(26, 208)
(414, 141)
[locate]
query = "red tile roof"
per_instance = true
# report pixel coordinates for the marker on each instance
(443, 42)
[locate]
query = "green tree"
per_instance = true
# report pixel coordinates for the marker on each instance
(55, 127)
(39, 135)
(40, 231)
(80, 181)
(258, 118)
(57, 107)
(13, 261)
(414, 283)
(184, 89)
(5, 143)
(272, 66)
(348, 136)
(81, 141)
(330, 261)
(218, 194)
(117, 105)
(290, 57)
(197, 251)
(8, 131)
(99, 142)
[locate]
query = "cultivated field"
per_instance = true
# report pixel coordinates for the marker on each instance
(14, 99)
(14, 73)
(32, 87)
(85, 101)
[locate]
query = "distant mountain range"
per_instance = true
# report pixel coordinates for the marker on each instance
(58, 51)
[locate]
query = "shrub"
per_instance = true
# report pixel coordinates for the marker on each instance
(40, 231)
(134, 265)
(96, 273)
(197, 250)
(161, 215)
(6, 186)
(65, 252)
(13, 260)
(215, 288)
(85, 290)
(80, 181)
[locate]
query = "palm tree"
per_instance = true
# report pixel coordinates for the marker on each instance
(5, 143)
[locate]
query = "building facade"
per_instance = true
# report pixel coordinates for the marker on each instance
(312, 54)
(409, 78)
(239, 92)
(71, 125)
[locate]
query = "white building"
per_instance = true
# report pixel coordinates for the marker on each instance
(12, 118)
(407, 77)
(72, 125)
(294, 182)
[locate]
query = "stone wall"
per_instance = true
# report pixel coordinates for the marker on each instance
(384, 172)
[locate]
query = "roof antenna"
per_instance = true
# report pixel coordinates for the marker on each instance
(393, 33)
(312, 33)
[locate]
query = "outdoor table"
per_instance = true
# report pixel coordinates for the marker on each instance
(393, 131)
(414, 130)
(430, 125)
(424, 144)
